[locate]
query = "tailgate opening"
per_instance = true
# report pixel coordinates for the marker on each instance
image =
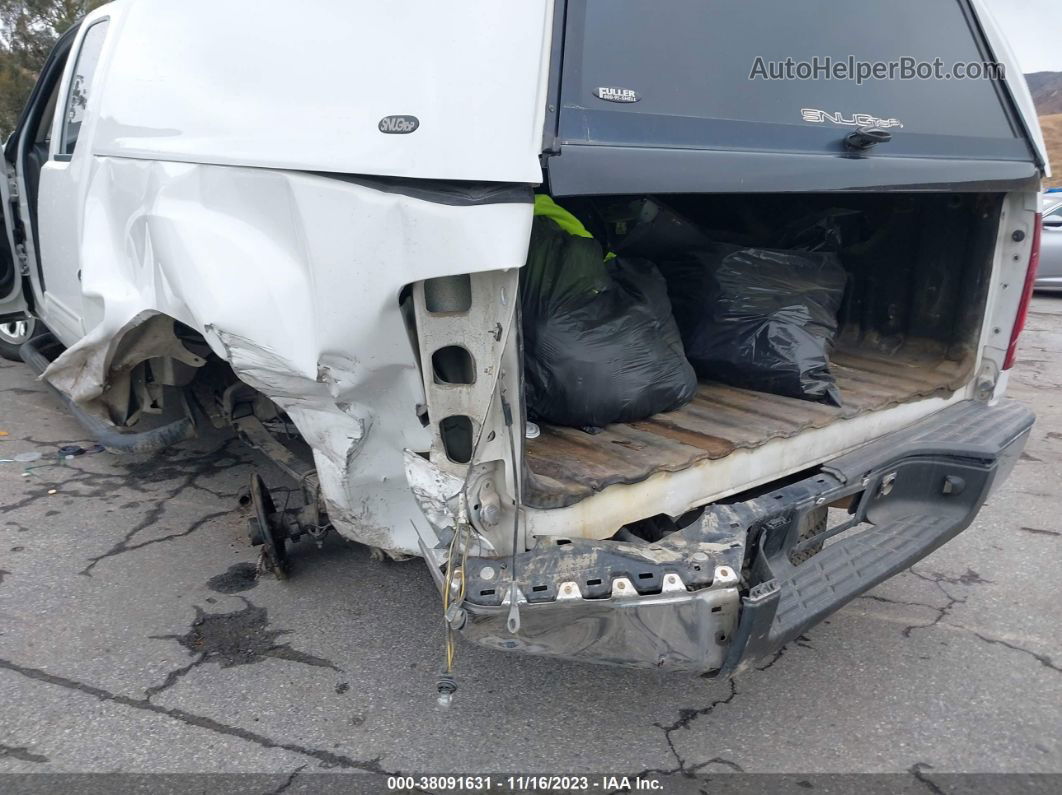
(909, 330)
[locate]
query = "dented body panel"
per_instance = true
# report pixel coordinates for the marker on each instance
(294, 280)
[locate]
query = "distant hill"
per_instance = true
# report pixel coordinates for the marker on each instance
(1052, 127)
(1046, 88)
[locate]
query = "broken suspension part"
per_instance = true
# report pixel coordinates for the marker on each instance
(270, 528)
(267, 529)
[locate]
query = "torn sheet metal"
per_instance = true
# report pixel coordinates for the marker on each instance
(294, 279)
(435, 491)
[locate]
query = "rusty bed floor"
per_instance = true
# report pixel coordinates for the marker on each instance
(568, 464)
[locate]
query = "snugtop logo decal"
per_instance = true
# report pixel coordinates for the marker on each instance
(817, 116)
(399, 125)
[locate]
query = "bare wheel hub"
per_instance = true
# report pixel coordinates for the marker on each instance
(267, 529)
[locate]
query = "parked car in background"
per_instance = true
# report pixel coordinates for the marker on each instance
(1049, 277)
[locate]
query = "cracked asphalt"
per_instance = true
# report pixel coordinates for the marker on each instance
(135, 637)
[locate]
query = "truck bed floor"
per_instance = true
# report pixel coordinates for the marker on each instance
(568, 464)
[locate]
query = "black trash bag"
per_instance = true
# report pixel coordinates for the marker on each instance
(600, 343)
(656, 231)
(833, 229)
(761, 319)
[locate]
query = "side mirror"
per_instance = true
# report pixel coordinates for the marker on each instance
(1053, 222)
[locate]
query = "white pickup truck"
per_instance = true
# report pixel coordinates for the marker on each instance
(311, 226)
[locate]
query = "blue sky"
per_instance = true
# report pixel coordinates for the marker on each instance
(1034, 28)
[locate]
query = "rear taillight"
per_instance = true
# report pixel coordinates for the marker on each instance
(1026, 296)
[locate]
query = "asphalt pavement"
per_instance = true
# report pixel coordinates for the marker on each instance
(135, 638)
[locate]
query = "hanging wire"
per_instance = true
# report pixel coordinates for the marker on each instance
(448, 586)
(464, 534)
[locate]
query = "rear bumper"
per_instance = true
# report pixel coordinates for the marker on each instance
(723, 593)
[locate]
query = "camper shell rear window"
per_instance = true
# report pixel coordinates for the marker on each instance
(691, 74)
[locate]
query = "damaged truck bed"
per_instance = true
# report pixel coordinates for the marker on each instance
(203, 226)
(678, 603)
(568, 464)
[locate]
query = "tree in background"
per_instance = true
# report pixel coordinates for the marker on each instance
(28, 31)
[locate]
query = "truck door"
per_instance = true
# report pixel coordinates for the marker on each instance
(63, 183)
(12, 302)
(23, 156)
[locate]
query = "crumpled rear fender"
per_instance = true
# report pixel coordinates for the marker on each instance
(294, 279)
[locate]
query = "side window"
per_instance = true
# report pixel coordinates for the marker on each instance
(1055, 213)
(80, 85)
